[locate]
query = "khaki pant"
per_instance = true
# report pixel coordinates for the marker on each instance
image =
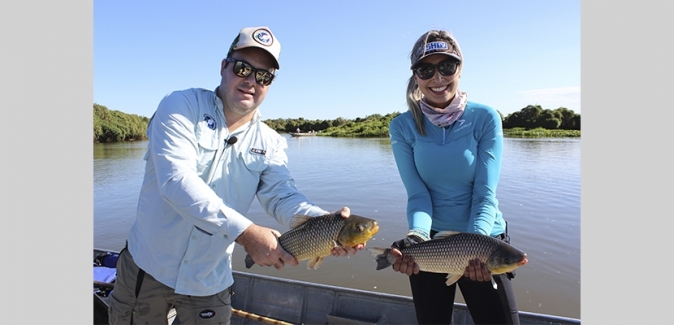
(155, 300)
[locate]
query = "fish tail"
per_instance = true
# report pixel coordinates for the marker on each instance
(383, 258)
(249, 261)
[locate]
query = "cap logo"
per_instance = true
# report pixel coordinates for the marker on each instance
(436, 47)
(263, 37)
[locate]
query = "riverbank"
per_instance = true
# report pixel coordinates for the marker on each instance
(540, 133)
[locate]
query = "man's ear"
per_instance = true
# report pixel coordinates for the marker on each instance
(223, 65)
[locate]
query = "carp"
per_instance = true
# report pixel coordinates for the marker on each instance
(313, 238)
(450, 252)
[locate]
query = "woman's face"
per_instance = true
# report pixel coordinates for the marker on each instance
(439, 90)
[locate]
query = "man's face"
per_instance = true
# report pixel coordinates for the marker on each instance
(241, 96)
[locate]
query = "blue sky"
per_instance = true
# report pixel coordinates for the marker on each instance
(339, 58)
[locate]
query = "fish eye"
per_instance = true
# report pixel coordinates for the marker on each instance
(506, 260)
(361, 227)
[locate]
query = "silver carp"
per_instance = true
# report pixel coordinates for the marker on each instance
(313, 238)
(450, 252)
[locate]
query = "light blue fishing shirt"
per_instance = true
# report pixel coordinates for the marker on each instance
(186, 224)
(451, 174)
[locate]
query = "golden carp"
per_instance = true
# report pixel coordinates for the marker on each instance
(313, 238)
(450, 251)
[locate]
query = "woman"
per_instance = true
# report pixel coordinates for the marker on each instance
(448, 153)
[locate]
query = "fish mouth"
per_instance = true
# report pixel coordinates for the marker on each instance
(375, 228)
(523, 261)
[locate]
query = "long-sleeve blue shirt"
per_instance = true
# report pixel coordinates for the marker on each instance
(451, 173)
(198, 188)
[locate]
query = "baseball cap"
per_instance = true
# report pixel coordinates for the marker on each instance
(438, 46)
(260, 37)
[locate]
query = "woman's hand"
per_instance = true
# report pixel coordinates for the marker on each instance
(477, 271)
(404, 264)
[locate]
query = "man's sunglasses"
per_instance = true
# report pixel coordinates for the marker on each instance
(243, 69)
(426, 71)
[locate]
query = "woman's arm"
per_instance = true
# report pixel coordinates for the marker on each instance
(487, 172)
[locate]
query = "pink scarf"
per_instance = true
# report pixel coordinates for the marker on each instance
(445, 116)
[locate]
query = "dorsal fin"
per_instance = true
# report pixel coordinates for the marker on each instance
(298, 220)
(445, 234)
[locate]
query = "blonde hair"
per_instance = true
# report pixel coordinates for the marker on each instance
(413, 93)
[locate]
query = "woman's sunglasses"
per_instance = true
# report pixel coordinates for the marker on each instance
(243, 69)
(426, 71)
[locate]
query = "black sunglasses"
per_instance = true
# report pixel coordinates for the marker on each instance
(426, 71)
(243, 69)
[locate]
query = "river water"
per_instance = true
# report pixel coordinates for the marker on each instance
(539, 195)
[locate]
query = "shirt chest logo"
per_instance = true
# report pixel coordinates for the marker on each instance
(258, 151)
(462, 126)
(210, 121)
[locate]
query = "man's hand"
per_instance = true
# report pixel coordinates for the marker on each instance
(346, 250)
(262, 245)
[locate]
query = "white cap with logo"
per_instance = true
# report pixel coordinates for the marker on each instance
(439, 46)
(260, 37)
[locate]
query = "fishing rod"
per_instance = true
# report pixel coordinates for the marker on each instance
(259, 318)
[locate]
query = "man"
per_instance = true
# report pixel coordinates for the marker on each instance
(209, 155)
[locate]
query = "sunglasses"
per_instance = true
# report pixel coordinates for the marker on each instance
(426, 71)
(243, 69)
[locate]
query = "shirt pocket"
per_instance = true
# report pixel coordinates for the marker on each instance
(255, 162)
(207, 141)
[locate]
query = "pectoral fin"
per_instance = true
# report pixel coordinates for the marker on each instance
(493, 283)
(315, 262)
(451, 278)
(298, 220)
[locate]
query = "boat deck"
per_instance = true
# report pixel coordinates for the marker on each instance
(299, 302)
(272, 300)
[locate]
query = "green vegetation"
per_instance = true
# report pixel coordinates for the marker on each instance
(534, 116)
(372, 126)
(115, 126)
(531, 121)
(540, 133)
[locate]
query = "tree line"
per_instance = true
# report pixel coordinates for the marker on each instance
(116, 126)
(534, 116)
(533, 120)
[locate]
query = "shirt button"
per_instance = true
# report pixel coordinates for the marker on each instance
(225, 236)
(194, 236)
(186, 262)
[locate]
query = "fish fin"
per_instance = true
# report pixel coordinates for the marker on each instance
(376, 250)
(493, 283)
(383, 258)
(298, 220)
(315, 263)
(249, 261)
(451, 278)
(445, 234)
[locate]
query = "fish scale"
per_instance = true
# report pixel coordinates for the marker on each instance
(309, 239)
